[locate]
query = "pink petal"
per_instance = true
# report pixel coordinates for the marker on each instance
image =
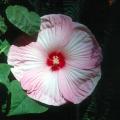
(42, 85)
(52, 20)
(82, 71)
(57, 34)
(25, 58)
(82, 50)
(76, 84)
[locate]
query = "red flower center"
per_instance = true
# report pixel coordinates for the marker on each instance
(56, 61)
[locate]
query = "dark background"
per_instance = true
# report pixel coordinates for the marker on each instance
(104, 22)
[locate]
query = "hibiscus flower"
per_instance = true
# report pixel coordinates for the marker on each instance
(62, 65)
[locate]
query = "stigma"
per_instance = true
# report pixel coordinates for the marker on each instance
(56, 61)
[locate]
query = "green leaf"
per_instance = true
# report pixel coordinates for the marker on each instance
(4, 72)
(26, 21)
(4, 83)
(4, 47)
(3, 27)
(21, 103)
(3, 98)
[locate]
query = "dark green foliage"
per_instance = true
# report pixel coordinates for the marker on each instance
(26, 21)
(3, 27)
(4, 47)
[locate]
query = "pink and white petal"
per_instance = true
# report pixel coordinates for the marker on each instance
(58, 35)
(83, 51)
(76, 84)
(42, 85)
(81, 27)
(49, 21)
(25, 58)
